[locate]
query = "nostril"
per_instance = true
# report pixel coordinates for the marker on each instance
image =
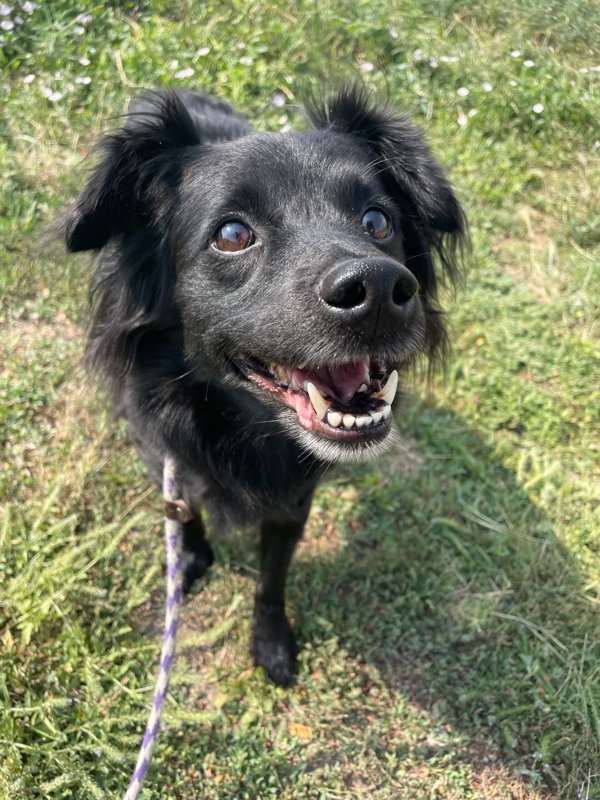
(350, 295)
(403, 291)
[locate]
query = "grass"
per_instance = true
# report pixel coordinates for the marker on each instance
(464, 664)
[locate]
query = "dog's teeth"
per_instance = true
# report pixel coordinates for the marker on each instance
(386, 411)
(376, 416)
(362, 388)
(363, 421)
(319, 403)
(348, 420)
(334, 418)
(389, 390)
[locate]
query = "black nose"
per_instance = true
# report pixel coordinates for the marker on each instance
(369, 292)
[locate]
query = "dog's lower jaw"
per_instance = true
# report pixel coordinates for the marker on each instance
(331, 451)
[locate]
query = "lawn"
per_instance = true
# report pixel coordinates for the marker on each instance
(466, 665)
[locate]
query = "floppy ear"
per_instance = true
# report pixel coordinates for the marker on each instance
(126, 189)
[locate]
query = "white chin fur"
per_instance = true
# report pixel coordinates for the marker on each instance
(335, 452)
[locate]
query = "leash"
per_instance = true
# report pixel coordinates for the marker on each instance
(176, 513)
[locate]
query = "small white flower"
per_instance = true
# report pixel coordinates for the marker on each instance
(84, 19)
(487, 86)
(538, 108)
(289, 79)
(79, 30)
(449, 59)
(513, 83)
(515, 53)
(184, 73)
(433, 62)
(528, 63)
(472, 112)
(85, 80)
(29, 78)
(393, 33)
(85, 62)
(204, 51)
(286, 128)
(583, 70)
(19, 20)
(366, 66)
(29, 7)
(462, 119)
(462, 92)
(596, 69)
(246, 61)
(418, 54)
(7, 24)
(174, 64)
(281, 120)
(50, 95)
(5, 10)
(278, 100)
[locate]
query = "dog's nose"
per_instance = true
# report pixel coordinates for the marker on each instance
(363, 290)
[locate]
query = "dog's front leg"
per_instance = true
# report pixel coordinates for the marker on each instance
(273, 642)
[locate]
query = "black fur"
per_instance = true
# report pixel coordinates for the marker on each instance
(172, 315)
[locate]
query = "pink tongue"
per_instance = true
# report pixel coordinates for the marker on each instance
(340, 382)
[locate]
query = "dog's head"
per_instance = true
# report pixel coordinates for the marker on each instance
(303, 267)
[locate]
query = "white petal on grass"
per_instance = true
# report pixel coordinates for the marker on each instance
(393, 33)
(538, 108)
(366, 66)
(7, 24)
(174, 63)
(184, 73)
(515, 53)
(29, 78)
(204, 51)
(278, 100)
(79, 30)
(528, 63)
(85, 62)
(462, 119)
(583, 70)
(487, 86)
(246, 61)
(472, 112)
(449, 59)
(28, 7)
(5, 10)
(84, 80)
(462, 92)
(418, 54)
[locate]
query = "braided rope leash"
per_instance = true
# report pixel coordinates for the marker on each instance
(176, 513)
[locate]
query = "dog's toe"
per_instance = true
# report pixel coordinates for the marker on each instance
(274, 646)
(194, 565)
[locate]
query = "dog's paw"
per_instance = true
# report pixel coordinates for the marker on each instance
(194, 565)
(274, 645)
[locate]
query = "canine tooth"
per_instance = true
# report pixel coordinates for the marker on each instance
(319, 403)
(389, 390)
(334, 418)
(363, 421)
(362, 387)
(386, 411)
(376, 416)
(348, 420)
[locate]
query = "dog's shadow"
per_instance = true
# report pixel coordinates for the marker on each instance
(435, 571)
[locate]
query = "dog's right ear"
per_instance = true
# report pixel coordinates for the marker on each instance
(136, 175)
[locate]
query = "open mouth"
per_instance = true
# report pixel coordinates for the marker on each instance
(351, 402)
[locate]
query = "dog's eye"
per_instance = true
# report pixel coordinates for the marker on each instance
(376, 224)
(233, 237)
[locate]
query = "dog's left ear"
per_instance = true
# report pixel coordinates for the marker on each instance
(402, 156)
(136, 174)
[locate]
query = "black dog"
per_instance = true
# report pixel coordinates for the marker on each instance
(256, 296)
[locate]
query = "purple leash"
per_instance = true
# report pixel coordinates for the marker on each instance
(176, 513)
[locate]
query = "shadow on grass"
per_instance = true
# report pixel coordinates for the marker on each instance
(437, 570)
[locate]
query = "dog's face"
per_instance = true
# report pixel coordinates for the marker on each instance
(302, 264)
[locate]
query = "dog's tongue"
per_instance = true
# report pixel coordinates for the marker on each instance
(337, 382)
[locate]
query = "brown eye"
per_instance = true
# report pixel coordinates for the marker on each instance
(376, 224)
(233, 237)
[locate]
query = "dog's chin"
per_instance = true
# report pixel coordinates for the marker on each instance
(332, 451)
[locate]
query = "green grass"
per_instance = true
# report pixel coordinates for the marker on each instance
(447, 599)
